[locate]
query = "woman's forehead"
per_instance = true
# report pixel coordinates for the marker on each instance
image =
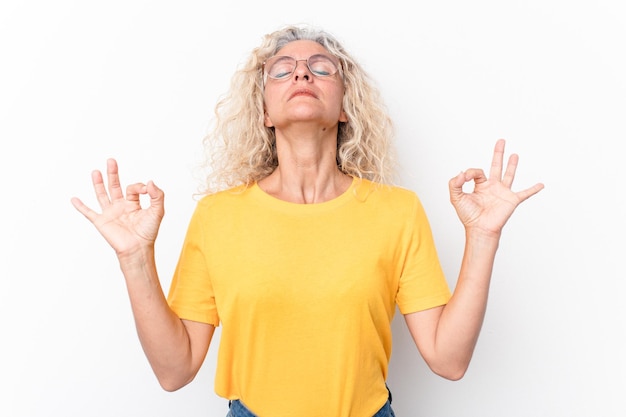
(301, 47)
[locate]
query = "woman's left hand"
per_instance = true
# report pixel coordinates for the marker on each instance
(492, 202)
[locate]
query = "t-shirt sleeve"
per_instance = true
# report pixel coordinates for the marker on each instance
(191, 294)
(422, 282)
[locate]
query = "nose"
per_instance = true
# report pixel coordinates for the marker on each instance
(302, 71)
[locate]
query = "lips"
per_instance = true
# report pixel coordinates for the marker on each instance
(302, 92)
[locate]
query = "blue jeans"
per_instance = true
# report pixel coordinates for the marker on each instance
(237, 409)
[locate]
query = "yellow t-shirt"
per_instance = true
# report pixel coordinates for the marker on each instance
(305, 294)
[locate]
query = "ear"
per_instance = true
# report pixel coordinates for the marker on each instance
(343, 117)
(267, 121)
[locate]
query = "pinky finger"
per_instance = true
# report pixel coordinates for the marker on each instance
(83, 209)
(529, 192)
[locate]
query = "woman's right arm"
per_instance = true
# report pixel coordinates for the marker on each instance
(175, 348)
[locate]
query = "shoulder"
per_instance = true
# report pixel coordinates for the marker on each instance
(220, 203)
(386, 193)
(229, 195)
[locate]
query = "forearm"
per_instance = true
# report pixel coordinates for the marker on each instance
(447, 335)
(461, 319)
(163, 336)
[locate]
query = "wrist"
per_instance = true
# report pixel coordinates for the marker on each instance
(136, 257)
(482, 236)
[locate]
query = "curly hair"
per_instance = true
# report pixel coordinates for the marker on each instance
(240, 149)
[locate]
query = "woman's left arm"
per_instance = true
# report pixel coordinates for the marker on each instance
(446, 335)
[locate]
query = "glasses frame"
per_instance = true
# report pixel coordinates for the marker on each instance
(334, 60)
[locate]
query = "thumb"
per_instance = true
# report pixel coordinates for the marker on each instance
(157, 196)
(456, 185)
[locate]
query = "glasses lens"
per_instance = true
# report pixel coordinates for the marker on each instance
(280, 67)
(322, 65)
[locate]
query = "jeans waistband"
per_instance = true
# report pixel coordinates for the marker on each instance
(238, 409)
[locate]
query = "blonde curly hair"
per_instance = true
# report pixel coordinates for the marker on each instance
(240, 149)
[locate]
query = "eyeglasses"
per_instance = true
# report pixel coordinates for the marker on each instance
(281, 67)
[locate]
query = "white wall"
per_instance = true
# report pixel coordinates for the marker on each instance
(137, 80)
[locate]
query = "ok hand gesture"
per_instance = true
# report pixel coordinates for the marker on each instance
(492, 202)
(125, 225)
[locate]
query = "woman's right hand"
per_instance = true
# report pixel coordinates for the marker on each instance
(125, 225)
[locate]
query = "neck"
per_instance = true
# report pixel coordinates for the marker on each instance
(307, 169)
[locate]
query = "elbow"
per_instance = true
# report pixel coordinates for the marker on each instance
(452, 375)
(170, 387)
(451, 366)
(451, 372)
(173, 383)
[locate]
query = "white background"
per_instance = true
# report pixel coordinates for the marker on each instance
(137, 80)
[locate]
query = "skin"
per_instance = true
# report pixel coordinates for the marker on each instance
(306, 111)
(446, 336)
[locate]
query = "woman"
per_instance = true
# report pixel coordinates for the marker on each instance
(301, 249)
